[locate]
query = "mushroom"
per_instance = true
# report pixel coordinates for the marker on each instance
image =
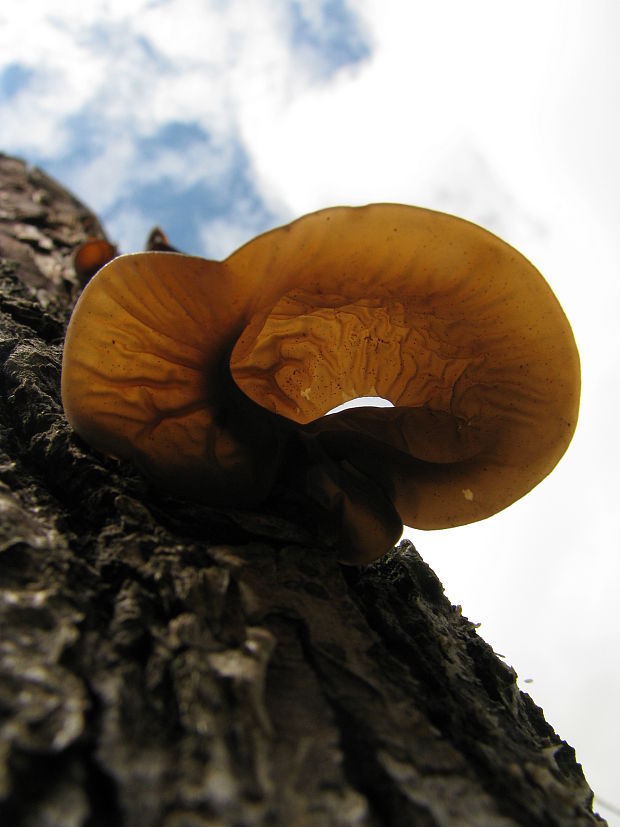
(158, 240)
(215, 378)
(91, 257)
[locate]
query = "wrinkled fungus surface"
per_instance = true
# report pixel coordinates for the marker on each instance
(215, 377)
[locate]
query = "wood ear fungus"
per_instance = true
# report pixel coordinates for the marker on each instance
(91, 256)
(212, 376)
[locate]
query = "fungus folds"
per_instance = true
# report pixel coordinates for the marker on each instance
(215, 377)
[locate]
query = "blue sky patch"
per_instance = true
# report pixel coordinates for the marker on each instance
(218, 194)
(13, 79)
(176, 135)
(329, 34)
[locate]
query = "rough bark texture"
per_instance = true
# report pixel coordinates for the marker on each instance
(165, 664)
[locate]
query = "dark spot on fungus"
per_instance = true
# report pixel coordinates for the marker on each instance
(215, 377)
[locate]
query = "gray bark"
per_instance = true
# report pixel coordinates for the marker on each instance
(169, 664)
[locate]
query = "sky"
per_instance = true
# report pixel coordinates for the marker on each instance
(218, 119)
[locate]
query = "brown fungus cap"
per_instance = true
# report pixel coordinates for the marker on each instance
(452, 325)
(91, 256)
(142, 373)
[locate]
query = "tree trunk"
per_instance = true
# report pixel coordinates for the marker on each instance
(169, 664)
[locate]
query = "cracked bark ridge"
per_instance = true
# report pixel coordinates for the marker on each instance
(169, 664)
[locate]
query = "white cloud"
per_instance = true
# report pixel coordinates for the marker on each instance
(107, 77)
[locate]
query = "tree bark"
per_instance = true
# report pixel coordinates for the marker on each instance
(164, 663)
